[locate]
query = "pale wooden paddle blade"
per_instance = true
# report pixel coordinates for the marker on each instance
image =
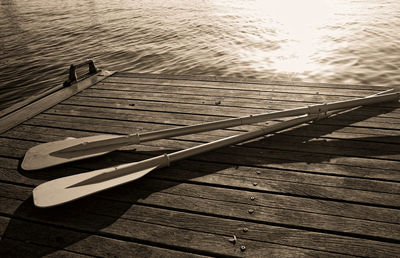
(66, 189)
(49, 154)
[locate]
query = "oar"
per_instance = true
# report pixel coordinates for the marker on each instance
(60, 152)
(66, 189)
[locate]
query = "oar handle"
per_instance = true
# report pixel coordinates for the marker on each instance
(369, 100)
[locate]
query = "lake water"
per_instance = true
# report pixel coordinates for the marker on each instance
(339, 41)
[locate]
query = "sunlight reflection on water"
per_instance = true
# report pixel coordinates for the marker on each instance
(339, 41)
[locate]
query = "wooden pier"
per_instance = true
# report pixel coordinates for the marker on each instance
(330, 188)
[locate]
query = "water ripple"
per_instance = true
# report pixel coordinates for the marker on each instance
(339, 41)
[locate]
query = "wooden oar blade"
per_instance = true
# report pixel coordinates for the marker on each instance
(66, 189)
(70, 188)
(53, 153)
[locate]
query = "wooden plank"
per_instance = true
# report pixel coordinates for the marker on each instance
(312, 137)
(272, 95)
(170, 109)
(247, 85)
(104, 125)
(296, 205)
(270, 158)
(357, 147)
(270, 180)
(14, 248)
(343, 210)
(157, 145)
(202, 167)
(115, 226)
(250, 90)
(252, 152)
(378, 174)
(279, 181)
(135, 105)
(8, 163)
(375, 171)
(86, 124)
(179, 97)
(182, 119)
(11, 247)
(28, 111)
(236, 82)
(129, 115)
(309, 135)
(164, 106)
(368, 146)
(360, 119)
(60, 240)
(15, 176)
(261, 214)
(29, 100)
(141, 222)
(258, 104)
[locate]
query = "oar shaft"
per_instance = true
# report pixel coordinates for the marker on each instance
(242, 137)
(73, 187)
(115, 142)
(165, 159)
(221, 124)
(252, 119)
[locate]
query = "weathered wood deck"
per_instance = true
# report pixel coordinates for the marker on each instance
(331, 188)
